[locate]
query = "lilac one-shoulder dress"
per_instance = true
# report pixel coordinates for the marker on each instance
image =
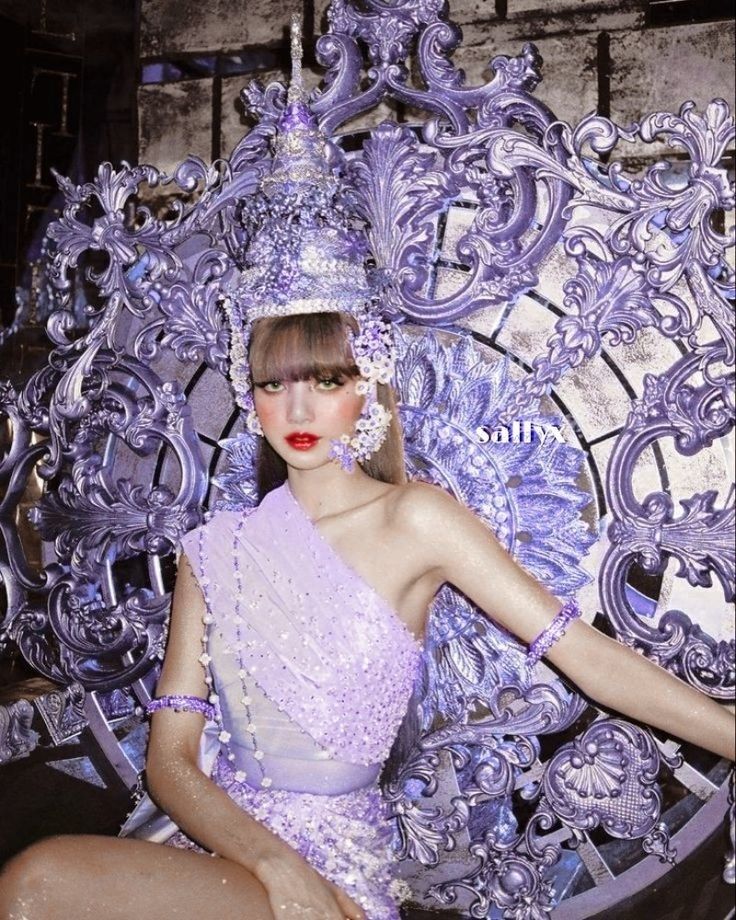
(312, 673)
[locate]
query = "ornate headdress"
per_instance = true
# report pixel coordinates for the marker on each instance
(303, 256)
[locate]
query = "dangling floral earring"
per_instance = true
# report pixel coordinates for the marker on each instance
(370, 432)
(375, 356)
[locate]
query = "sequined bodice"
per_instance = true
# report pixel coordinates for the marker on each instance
(312, 668)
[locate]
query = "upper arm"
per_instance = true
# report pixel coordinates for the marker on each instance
(468, 555)
(182, 672)
(465, 553)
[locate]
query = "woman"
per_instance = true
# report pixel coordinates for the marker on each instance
(305, 396)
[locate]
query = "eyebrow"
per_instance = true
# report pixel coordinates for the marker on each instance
(335, 375)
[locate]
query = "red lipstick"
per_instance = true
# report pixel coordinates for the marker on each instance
(301, 440)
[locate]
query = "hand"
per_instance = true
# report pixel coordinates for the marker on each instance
(296, 891)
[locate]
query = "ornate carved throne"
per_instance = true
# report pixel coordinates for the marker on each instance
(567, 354)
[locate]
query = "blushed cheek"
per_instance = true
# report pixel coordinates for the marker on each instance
(349, 409)
(266, 412)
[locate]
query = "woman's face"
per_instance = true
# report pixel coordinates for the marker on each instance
(300, 417)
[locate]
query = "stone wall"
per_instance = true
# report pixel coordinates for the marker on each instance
(622, 59)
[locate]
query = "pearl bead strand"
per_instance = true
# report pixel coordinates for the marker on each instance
(223, 735)
(242, 673)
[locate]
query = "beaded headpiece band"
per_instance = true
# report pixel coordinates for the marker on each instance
(302, 256)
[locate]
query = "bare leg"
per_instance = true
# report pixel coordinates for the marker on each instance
(107, 878)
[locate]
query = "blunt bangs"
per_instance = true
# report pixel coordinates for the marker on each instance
(302, 347)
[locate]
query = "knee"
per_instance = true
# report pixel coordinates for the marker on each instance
(27, 880)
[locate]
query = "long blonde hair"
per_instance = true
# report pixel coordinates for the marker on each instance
(316, 345)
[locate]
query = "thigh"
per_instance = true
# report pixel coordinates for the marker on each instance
(74, 877)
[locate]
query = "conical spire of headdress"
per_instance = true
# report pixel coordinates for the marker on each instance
(296, 86)
(300, 161)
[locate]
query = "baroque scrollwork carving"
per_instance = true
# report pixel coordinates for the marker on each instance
(729, 869)
(17, 738)
(509, 874)
(63, 712)
(650, 532)
(606, 777)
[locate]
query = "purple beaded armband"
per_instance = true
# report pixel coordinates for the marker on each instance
(182, 704)
(550, 634)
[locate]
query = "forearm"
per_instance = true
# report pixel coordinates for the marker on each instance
(207, 814)
(620, 679)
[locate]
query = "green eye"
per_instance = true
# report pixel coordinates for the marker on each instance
(270, 386)
(329, 383)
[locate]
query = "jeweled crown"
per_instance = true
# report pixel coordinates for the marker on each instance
(301, 255)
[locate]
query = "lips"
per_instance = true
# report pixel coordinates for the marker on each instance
(301, 440)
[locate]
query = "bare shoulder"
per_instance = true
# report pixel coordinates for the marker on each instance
(421, 508)
(444, 531)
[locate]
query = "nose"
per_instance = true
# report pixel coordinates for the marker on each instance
(299, 402)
